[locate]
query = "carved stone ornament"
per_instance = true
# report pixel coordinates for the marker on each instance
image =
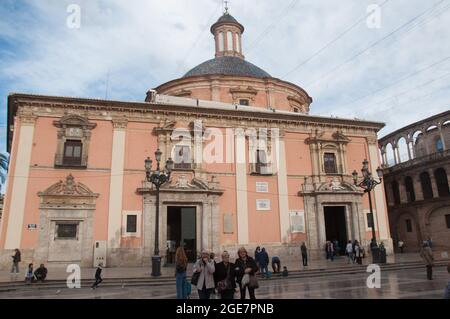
(68, 187)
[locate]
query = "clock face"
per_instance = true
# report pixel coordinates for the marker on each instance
(74, 132)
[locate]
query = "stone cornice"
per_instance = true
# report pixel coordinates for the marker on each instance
(147, 112)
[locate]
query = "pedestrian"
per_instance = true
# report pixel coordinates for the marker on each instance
(329, 249)
(447, 289)
(214, 294)
(245, 268)
(427, 254)
(98, 276)
(285, 272)
(430, 242)
(264, 263)
(29, 276)
(349, 251)
(359, 253)
(336, 247)
(205, 267)
(181, 263)
(304, 251)
(16, 259)
(258, 256)
(225, 277)
(401, 246)
(276, 264)
(41, 273)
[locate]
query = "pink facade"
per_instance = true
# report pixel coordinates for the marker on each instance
(104, 194)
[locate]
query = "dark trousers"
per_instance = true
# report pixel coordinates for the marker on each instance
(204, 293)
(429, 272)
(305, 260)
(276, 266)
(97, 282)
(251, 292)
(227, 294)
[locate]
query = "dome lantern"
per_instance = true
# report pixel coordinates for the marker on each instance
(227, 33)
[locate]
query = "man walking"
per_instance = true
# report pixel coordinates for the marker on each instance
(304, 251)
(16, 259)
(98, 276)
(427, 254)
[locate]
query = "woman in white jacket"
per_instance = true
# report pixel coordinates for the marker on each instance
(205, 284)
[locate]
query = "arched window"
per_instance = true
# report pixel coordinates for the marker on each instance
(441, 181)
(410, 194)
(396, 192)
(439, 145)
(425, 181)
(221, 42)
(403, 150)
(229, 41)
(238, 45)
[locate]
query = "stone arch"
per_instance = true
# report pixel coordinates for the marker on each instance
(427, 188)
(402, 147)
(440, 176)
(390, 155)
(396, 191)
(409, 187)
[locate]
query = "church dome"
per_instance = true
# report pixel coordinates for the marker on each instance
(228, 65)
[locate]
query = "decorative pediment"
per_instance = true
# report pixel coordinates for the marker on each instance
(73, 120)
(68, 188)
(339, 136)
(336, 185)
(182, 184)
(165, 126)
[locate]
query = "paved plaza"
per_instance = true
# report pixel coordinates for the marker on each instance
(395, 284)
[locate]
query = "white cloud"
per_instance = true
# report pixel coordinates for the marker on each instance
(142, 44)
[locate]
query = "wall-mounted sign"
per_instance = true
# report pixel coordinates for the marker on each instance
(32, 226)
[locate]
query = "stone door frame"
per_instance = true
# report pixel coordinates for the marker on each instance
(207, 217)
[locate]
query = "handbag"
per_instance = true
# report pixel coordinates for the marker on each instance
(224, 284)
(195, 277)
(253, 283)
(245, 280)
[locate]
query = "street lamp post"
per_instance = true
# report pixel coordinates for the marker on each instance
(368, 183)
(157, 178)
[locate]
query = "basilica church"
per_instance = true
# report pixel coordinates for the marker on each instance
(78, 193)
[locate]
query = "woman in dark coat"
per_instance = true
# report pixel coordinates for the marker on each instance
(225, 276)
(245, 265)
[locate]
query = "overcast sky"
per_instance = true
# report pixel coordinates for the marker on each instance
(398, 73)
